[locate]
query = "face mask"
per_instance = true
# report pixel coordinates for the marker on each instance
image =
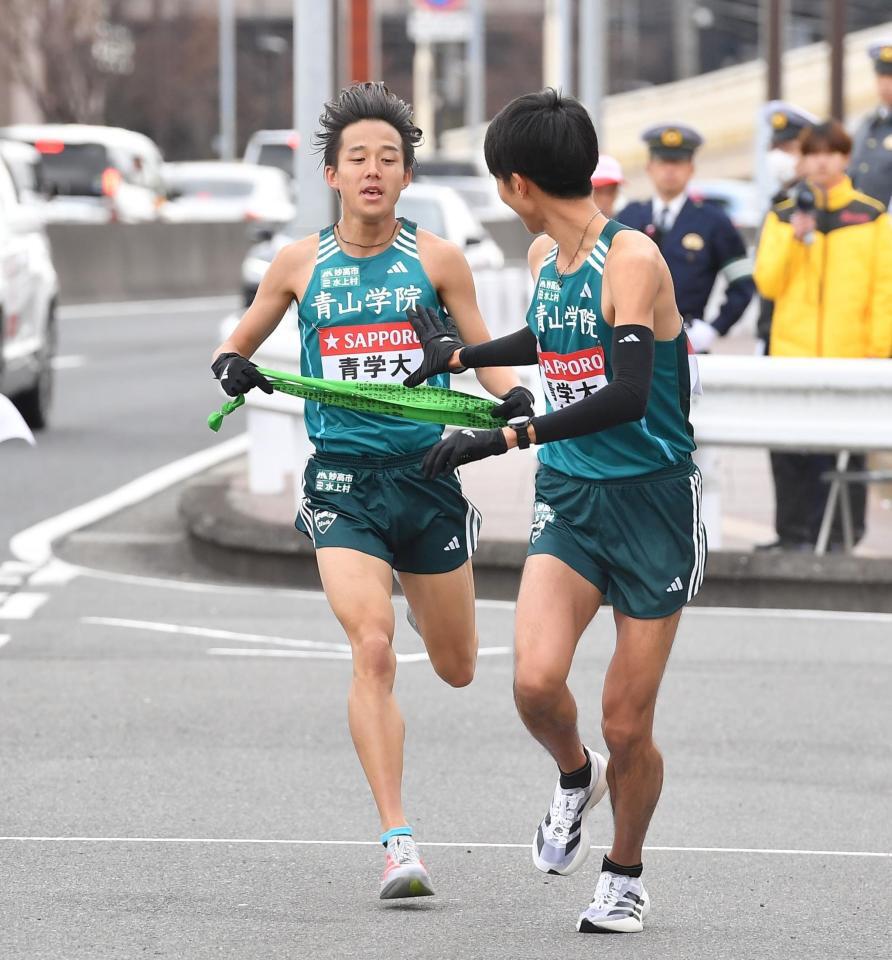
(781, 165)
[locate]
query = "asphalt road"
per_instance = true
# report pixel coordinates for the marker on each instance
(177, 779)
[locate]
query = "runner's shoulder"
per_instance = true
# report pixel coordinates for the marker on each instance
(538, 251)
(299, 253)
(292, 267)
(634, 248)
(439, 257)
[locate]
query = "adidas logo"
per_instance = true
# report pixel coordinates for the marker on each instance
(398, 267)
(630, 338)
(453, 544)
(586, 292)
(676, 584)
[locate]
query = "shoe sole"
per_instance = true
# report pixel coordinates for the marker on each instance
(408, 882)
(626, 925)
(584, 848)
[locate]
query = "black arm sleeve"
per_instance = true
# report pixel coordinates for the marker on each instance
(516, 350)
(623, 400)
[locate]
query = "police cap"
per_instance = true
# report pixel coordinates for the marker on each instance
(881, 54)
(787, 121)
(672, 141)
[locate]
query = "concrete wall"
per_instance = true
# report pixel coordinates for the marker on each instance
(141, 261)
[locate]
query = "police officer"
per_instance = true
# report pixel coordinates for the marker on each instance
(871, 168)
(786, 122)
(697, 240)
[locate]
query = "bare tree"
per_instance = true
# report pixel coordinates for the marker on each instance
(47, 47)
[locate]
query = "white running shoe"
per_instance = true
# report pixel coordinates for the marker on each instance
(561, 843)
(619, 905)
(404, 873)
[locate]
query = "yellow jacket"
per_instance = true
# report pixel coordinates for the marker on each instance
(832, 298)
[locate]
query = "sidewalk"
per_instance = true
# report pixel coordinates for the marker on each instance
(220, 511)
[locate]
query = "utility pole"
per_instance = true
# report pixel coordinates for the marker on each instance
(475, 90)
(313, 85)
(227, 80)
(773, 43)
(558, 63)
(687, 60)
(836, 28)
(360, 40)
(592, 53)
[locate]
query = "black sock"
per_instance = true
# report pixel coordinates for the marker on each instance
(612, 867)
(578, 778)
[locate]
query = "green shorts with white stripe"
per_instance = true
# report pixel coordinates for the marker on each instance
(639, 540)
(386, 508)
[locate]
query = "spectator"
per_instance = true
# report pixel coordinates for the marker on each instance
(606, 181)
(697, 240)
(825, 259)
(872, 157)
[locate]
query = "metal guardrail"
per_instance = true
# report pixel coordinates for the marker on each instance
(808, 405)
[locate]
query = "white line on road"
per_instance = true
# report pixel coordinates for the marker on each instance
(125, 537)
(69, 362)
(301, 649)
(83, 311)
(210, 633)
(756, 851)
(4, 639)
(22, 606)
(35, 544)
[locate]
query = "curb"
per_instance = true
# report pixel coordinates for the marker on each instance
(259, 551)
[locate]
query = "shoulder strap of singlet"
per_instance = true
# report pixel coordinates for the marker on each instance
(328, 244)
(611, 229)
(405, 240)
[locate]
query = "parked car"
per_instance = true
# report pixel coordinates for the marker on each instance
(480, 193)
(28, 292)
(273, 148)
(438, 209)
(95, 174)
(23, 162)
(220, 191)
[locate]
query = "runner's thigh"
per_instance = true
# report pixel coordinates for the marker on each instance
(358, 587)
(443, 605)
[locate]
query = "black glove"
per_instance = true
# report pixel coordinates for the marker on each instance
(439, 340)
(517, 402)
(464, 446)
(237, 375)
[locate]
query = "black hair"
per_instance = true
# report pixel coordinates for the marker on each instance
(546, 137)
(366, 101)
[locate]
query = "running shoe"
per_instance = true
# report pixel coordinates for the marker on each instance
(619, 905)
(404, 873)
(561, 843)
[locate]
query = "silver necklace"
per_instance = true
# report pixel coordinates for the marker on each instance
(562, 273)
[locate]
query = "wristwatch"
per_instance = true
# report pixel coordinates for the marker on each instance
(520, 425)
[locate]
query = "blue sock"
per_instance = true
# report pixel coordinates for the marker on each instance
(396, 832)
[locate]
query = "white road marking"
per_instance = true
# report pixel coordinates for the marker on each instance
(4, 639)
(22, 606)
(11, 581)
(301, 649)
(70, 362)
(754, 851)
(55, 573)
(84, 311)
(124, 536)
(34, 545)
(209, 633)
(15, 567)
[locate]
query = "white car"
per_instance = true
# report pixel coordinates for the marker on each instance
(273, 148)
(218, 191)
(438, 209)
(480, 193)
(95, 174)
(28, 291)
(23, 162)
